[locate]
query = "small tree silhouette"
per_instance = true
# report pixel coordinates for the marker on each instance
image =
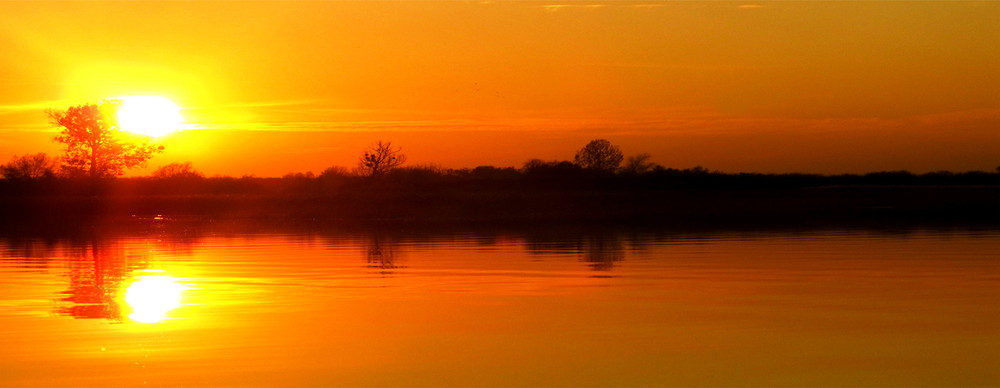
(177, 170)
(380, 158)
(94, 145)
(29, 167)
(637, 164)
(599, 155)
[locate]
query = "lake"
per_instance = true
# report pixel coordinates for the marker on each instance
(542, 307)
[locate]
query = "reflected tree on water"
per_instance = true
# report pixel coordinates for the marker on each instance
(382, 254)
(544, 243)
(28, 253)
(97, 271)
(602, 252)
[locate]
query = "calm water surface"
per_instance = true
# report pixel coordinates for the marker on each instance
(821, 308)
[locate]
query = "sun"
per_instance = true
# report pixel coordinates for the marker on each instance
(149, 115)
(152, 297)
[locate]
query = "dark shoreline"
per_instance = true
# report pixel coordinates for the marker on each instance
(552, 195)
(690, 209)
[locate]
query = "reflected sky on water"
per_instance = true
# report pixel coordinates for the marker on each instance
(541, 308)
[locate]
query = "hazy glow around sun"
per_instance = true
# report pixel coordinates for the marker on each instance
(149, 115)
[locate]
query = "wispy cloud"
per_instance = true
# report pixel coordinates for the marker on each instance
(32, 106)
(647, 5)
(263, 104)
(558, 7)
(365, 126)
(700, 120)
(585, 5)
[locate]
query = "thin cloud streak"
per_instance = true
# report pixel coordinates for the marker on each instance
(558, 7)
(643, 5)
(260, 104)
(690, 122)
(33, 106)
(598, 5)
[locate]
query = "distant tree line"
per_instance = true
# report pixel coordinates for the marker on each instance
(596, 188)
(597, 166)
(95, 150)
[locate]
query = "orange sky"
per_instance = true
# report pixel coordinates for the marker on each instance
(292, 86)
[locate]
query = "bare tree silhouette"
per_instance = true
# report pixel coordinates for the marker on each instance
(94, 144)
(380, 158)
(34, 166)
(599, 155)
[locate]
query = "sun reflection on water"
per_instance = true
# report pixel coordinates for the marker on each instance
(151, 297)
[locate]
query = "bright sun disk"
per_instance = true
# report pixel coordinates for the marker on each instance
(152, 297)
(149, 115)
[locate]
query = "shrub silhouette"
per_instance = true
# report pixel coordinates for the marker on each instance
(637, 164)
(177, 170)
